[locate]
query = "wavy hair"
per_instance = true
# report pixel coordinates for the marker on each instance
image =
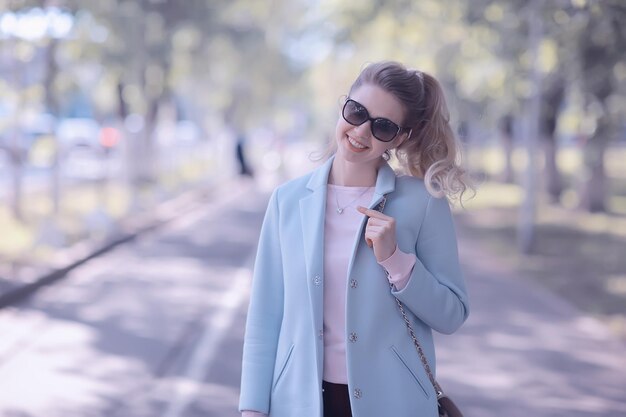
(432, 152)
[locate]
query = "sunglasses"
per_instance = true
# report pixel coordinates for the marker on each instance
(382, 129)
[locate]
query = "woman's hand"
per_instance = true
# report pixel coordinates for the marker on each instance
(380, 233)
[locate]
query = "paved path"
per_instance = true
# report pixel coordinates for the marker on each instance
(525, 352)
(152, 328)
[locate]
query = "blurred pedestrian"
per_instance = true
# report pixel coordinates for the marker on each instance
(505, 127)
(324, 335)
(244, 167)
(463, 132)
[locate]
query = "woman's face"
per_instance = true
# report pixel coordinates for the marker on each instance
(356, 143)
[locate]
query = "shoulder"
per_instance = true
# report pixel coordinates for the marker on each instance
(407, 184)
(413, 197)
(412, 187)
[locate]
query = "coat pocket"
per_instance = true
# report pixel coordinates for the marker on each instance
(283, 367)
(408, 368)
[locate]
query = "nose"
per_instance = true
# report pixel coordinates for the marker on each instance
(364, 130)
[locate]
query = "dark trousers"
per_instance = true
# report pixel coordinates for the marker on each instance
(336, 400)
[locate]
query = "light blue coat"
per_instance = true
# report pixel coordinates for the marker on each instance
(284, 347)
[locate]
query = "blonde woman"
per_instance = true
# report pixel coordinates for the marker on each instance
(324, 336)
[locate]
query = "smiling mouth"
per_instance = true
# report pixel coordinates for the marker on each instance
(356, 144)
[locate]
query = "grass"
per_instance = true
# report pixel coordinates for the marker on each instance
(578, 255)
(86, 210)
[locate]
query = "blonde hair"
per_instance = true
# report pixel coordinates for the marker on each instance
(432, 152)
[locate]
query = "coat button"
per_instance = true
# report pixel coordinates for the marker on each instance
(353, 283)
(357, 393)
(353, 337)
(317, 280)
(321, 334)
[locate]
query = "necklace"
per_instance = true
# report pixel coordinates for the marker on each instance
(341, 209)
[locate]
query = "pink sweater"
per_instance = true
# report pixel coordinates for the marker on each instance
(339, 234)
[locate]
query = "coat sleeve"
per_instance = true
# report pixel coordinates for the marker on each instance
(265, 314)
(436, 291)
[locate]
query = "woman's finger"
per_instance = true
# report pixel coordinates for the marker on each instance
(376, 230)
(374, 221)
(373, 213)
(372, 235)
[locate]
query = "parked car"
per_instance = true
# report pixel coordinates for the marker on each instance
(78, 132)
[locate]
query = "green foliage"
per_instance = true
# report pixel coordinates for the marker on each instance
(249, 59)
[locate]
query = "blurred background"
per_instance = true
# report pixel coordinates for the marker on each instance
(111, 108)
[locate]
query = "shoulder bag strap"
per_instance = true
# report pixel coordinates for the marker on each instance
(418, 347)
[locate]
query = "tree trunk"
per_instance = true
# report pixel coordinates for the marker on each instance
(15, 145)
(17, 168)
(52, 108)
(506, 137)
(554, 182)
(594, 186)
(527, 214)
(552, 97)
(149, 157)
(599, 56)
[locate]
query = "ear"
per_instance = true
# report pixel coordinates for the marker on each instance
(404, 136)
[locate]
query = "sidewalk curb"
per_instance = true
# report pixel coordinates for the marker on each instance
(129, 229)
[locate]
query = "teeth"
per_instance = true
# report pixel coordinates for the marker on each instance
(355, 144)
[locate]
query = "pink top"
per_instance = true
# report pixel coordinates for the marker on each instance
(339, 235)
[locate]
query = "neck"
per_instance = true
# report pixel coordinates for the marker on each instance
(350, 174)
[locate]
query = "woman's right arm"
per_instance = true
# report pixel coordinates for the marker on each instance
(265, 314)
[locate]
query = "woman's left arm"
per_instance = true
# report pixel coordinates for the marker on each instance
(436, 291)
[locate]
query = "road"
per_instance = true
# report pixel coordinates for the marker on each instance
(153, 328)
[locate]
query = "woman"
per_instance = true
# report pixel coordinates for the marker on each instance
(324, 336)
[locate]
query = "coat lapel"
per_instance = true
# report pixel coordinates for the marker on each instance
(385, 184)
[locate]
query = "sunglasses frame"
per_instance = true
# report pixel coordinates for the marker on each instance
(372, 120)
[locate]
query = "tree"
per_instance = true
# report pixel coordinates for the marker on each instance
(601, 50)
(551, 99)
(225, 57)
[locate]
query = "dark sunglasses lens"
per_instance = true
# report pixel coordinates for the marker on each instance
(354, 113)
(384, 129)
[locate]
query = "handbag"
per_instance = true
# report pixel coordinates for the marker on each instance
(445, 405)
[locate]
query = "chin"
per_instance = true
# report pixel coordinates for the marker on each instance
(357, 157)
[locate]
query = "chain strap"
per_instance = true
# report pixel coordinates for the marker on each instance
(418, 347)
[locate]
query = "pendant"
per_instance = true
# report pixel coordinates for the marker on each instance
(339, 210)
